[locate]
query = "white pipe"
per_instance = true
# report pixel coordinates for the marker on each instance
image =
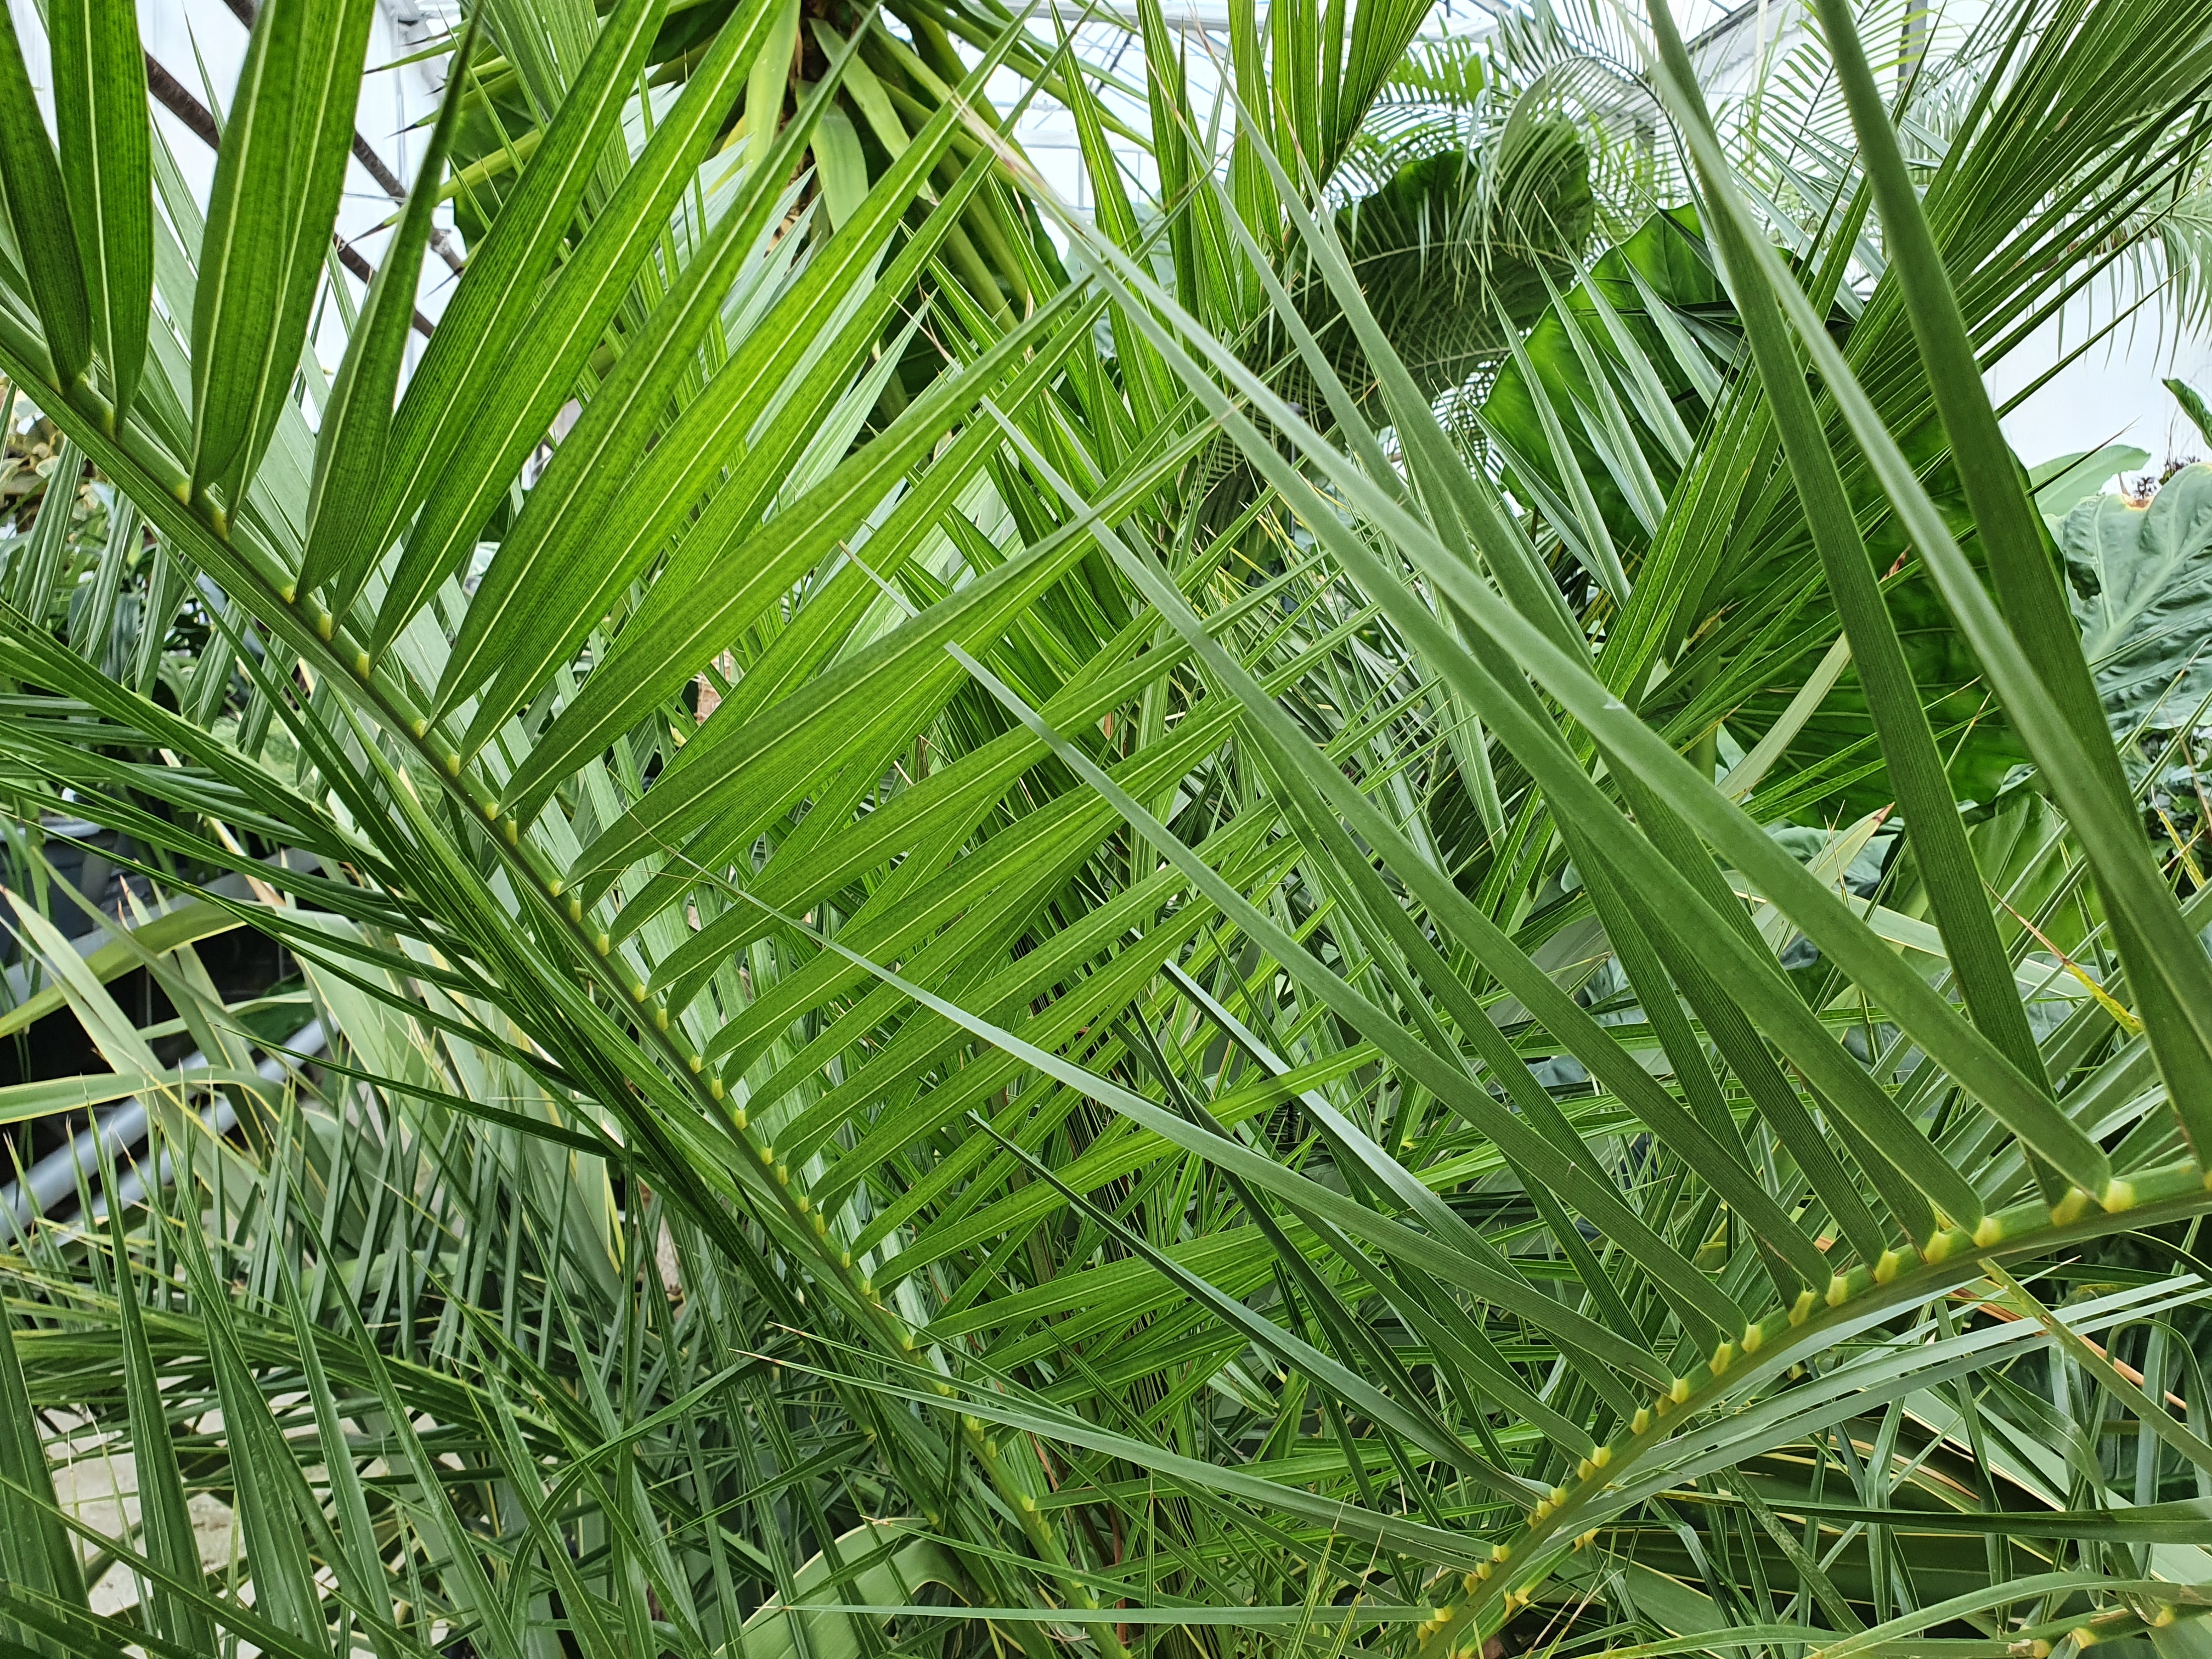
(54, 1176)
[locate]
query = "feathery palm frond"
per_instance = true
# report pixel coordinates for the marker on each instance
(933, 1049)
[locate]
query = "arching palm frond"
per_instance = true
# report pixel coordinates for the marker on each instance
(917, 1034)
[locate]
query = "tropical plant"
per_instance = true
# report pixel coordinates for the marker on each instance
(942, 1036)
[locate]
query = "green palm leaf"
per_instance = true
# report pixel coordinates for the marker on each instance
(278, 179)
(106, 150)
(1088, 931)
(39, 214)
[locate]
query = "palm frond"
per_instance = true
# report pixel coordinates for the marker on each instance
(1180, 931)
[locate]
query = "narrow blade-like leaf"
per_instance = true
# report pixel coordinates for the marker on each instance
(38, 210)
(107, 172)
(500, 289)
(356, 420)
(276, 182)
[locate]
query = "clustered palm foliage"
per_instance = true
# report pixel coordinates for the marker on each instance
(1359, 907)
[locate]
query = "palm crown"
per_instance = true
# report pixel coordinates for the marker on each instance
(947, 1031)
